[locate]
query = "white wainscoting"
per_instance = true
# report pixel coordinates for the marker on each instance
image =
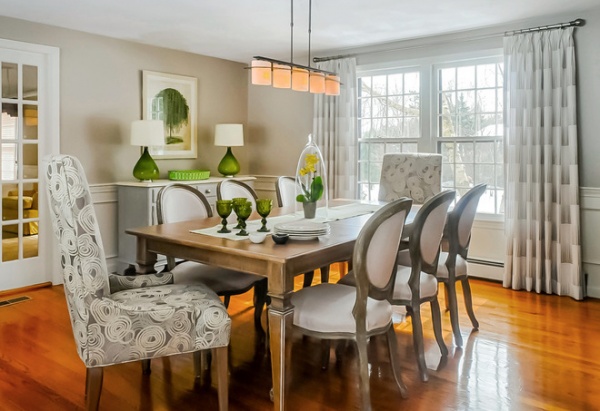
(105, 201)
(590, 228)
(487, 246)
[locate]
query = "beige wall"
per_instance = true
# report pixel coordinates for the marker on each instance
(279, 122)
(100, 94)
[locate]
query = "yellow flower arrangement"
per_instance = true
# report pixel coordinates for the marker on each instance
(311, 183)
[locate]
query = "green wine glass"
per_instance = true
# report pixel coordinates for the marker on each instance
(236, 202)
(243, 211)
(224, 208)
(263, 207)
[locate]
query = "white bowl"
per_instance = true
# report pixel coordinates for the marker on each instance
(257, 238)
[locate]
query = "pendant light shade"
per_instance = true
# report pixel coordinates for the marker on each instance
(282, 76)
(332, 85)
(317, 82)
(261, 72)
(299, 79)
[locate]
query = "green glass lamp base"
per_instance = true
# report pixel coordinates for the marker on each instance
(229, 165)
(145, 169)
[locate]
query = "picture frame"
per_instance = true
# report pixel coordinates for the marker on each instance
(173, 99)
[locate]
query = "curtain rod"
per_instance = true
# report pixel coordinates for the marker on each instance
(576, 23)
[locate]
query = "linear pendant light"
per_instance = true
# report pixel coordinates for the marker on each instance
(280, 74)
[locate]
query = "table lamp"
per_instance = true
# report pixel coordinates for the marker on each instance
(229, 135)
(146, 133)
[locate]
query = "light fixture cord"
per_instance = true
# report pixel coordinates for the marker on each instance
(292, 32)
(309, 28)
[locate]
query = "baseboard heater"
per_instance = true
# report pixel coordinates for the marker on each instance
(498, 264)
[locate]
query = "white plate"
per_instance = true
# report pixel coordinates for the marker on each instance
(303, 237)
(302, 227)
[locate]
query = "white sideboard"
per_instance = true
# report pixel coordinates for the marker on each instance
(137, 208)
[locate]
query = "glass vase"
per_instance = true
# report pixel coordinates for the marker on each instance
(311, 182)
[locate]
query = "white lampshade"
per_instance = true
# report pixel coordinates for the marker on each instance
(229, 135)
(147, 133)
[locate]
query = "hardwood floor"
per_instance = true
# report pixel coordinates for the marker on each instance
(533, 352)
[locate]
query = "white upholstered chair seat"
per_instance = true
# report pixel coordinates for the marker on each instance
(461, 266)
(218, 279)
(328, 308)
(428, 287)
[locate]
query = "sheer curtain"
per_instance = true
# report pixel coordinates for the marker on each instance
(542, 190)
(334, 128)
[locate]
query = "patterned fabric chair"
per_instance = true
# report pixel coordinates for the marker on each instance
(343, 312)
(417, 176)
(119, 319)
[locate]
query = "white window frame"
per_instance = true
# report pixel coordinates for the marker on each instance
(428, 142)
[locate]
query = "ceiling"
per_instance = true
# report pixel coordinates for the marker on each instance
(238, 29)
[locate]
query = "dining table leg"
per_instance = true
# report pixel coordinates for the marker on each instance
(281, 318)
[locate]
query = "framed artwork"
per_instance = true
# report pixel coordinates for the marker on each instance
(172, 99)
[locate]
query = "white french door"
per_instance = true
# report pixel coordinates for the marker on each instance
(27, 125)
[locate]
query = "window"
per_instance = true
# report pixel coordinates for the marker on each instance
(470, 129)
(389, 108)
(457, 112)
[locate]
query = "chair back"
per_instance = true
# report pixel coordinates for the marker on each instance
(179, 202)
(426, 235)
(75, 226)
(460, 221)
(376, 250)
(228, 189)
(413, 175)
(287, 190)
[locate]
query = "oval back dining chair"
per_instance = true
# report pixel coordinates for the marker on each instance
(416, 281)
(228, 189)
(287, 189)
(118, 319)
(452, 265)
(179, 202)
(339, 311)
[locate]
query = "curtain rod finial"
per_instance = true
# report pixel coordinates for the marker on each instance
(578, 22)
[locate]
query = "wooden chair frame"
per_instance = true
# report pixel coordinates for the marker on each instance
(458, 245)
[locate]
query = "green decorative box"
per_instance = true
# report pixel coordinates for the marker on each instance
(184, 175)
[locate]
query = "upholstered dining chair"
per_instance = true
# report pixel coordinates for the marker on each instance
(179, 202)
(287, 189)
(413, 175)
(337, 311)
(452, 265)
(118, 319)
(416, 281)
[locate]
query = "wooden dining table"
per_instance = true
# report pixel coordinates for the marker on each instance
(279, 263)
